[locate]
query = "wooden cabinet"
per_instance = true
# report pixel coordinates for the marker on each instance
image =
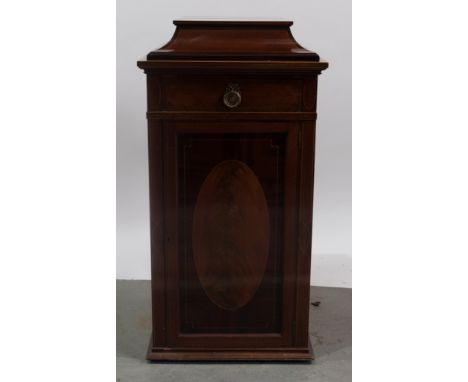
(231, 132)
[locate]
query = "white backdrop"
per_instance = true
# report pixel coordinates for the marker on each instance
(321, 26)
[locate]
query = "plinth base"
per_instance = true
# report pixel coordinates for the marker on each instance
(283, 354)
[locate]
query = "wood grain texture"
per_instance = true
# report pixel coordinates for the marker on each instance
(231, 192)
(262, 147)
(277, 354)
(157, 223)
(231, 234)
(209, 39)
(273, 94)
(232, 116)
(258, 67)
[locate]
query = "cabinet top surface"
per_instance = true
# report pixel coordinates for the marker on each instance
(233, 40)
(233, 22)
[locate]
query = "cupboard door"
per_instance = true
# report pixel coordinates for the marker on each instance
(231, 212)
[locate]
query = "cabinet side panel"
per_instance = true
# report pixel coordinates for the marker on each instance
(304, 233)
(158, 284)
(306, 189)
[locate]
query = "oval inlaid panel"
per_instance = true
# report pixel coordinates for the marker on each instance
(231, 234)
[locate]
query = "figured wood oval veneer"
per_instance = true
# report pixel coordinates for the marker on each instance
(231, 234)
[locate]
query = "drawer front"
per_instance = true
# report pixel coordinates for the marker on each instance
(189, 93)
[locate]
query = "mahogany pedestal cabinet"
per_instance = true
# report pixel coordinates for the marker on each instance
(231, 131)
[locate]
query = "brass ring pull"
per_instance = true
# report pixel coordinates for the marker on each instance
(232, 97)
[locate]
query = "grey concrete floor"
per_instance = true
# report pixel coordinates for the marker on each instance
(330, 333)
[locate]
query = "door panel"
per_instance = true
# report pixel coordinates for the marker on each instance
(230, 192)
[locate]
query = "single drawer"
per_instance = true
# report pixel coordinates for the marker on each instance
(226, 93)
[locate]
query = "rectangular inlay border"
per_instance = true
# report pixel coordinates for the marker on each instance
(184, 144)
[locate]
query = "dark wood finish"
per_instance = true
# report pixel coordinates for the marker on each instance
(240, 67)
(258, 93)
(210, 354)
(246, 116)
(233, 40)
(231, 191)
(269, 149)
(237, 22)
(230, 234)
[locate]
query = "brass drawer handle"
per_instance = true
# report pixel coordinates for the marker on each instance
(232, 96)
